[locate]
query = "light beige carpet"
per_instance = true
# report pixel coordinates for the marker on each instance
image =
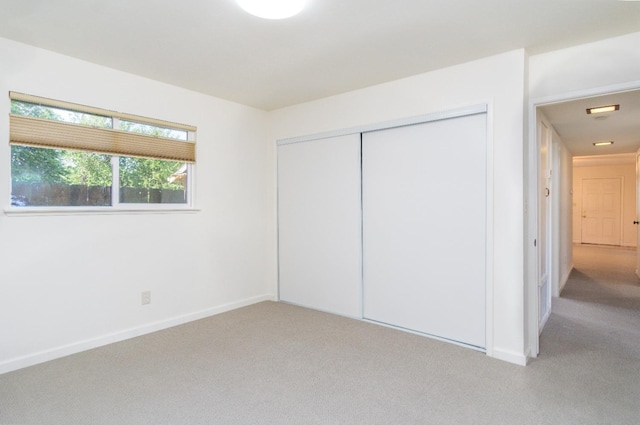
(274, 363)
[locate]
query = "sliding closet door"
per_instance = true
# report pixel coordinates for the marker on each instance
(319, 222)
(424, 227)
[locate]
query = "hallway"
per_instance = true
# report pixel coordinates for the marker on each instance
(599, 308)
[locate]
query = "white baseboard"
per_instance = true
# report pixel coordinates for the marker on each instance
(77, 347)
(510, 356)
(565, 279)
(544, 321)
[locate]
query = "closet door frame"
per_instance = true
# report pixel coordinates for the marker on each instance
(481, 108)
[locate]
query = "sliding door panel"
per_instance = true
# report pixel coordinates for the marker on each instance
(424, 227)
(319, 224)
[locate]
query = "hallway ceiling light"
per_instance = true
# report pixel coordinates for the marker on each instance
(272, 9)
(601, 109)
(610, 142)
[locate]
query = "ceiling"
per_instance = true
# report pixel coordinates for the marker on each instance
(579, 131)
(333, 46)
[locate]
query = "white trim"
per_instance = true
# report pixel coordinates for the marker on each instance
(115, 181)
(637, 193)
(435, 116)
(511, 356)
(55, 211)
(489, 239)
(545, 318)
(277, 224)
(556, 205)
(565, 279)
(430, 336)
(584, 94)
(361, 259)
(321, 310)
(387, 325)
(545, 235)
(77, 347)
(531, 266)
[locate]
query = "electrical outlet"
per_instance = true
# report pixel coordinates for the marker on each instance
(146, 297)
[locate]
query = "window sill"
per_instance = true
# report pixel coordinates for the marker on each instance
(48, 211)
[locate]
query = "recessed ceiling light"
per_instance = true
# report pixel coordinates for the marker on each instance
(601, 109)
(272, 9)
(610, 142)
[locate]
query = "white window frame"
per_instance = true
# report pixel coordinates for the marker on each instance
(116, 206)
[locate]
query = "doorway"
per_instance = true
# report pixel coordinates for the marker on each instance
(600, 217)
(573, 135)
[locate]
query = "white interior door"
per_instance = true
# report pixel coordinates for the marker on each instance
(319, 222)
(424, 227)
(601, 211)
(637, 220)
(544, 239)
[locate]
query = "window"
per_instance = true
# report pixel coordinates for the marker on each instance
(68, 155)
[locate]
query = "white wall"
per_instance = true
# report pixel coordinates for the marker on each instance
(599, 167)
(72, 282)
(610, 62)
(497, 81)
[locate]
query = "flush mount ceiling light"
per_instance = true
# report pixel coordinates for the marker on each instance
(601, 109)
(610, 142)
(272, 9)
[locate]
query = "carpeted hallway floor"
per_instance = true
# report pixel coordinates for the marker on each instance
(274, 363)
(599, 307)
